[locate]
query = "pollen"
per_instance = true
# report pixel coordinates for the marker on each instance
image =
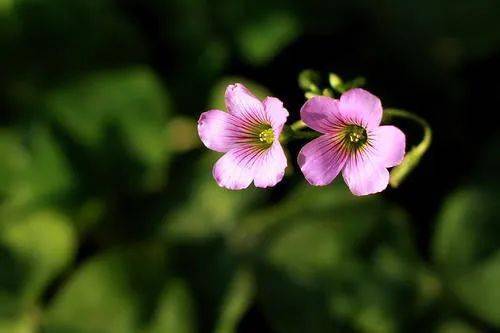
(266, 136)
(355, 137)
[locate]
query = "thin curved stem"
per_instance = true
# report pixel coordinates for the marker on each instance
(412, 158)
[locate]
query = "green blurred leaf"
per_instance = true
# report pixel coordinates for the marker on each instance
(98, 34)
(15, 159)
(456, 326)
(26, 323)
(97, 299)
(175, 312)
(478, 290)
(238, 299)
(182, 134)
(35, 171)
(209, 210)
(333, 262)
(109, 292)
(467, 251)
(127, 108)
(202, 50)
(454, 35)
(262, 39)
(466, 232)
(5, 6)
(49, 173)
(43, 244)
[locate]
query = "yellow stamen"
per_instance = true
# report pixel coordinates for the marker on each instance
(267, 136)
(355, 137)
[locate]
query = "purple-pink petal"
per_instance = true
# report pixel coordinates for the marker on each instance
(234, 170)
(249, 156)
(276, 114)
(363, 175)
(321, 113)
(389, 145)
(321, 160)
(215, 130)
(241, 165)
(242, 103)
(352, 142)
(270, 168)
(360, 107)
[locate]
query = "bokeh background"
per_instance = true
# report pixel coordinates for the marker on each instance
(110, 221)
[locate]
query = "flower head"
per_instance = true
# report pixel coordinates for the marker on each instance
(248, 134)
(352, 142)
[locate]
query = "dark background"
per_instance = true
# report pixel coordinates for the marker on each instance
(110, 220)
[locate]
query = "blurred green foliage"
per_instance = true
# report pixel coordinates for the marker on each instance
(111, 222)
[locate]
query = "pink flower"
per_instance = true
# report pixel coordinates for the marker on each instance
(352, 142)
(248, 134)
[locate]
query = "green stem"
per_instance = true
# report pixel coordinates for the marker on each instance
(295, 131)
(306, 135)
(412, 158)
(298, 125)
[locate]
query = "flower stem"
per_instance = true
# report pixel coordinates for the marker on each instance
(296, 131)
(412, 158)
(298, 125)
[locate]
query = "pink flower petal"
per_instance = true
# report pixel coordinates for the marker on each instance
(321, 113)
(234, 170)
(364, 175)
(216, 130)
(360, 107)
(389, 145)
(321, 160)
(276, 114)
(270, 168)
(243, 104)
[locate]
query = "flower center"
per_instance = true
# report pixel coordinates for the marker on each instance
(354, 137)
(266, 136)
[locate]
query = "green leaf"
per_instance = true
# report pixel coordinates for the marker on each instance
(467, 252)
(238, 299)
(5, 6)
(127, 108)
(210, 210)
(97, 299)
(466, 231)
(478, 290)
(43, 244)
(83, 42)
(26, 323)
(342, 264)
(35, 172)
(108, 293)
(15, 159)
(262, 39)
(175, 312)
(456, 326)
(183, 134)
(49, 173)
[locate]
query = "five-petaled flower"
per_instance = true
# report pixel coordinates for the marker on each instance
(352, 141)
(248, 134)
